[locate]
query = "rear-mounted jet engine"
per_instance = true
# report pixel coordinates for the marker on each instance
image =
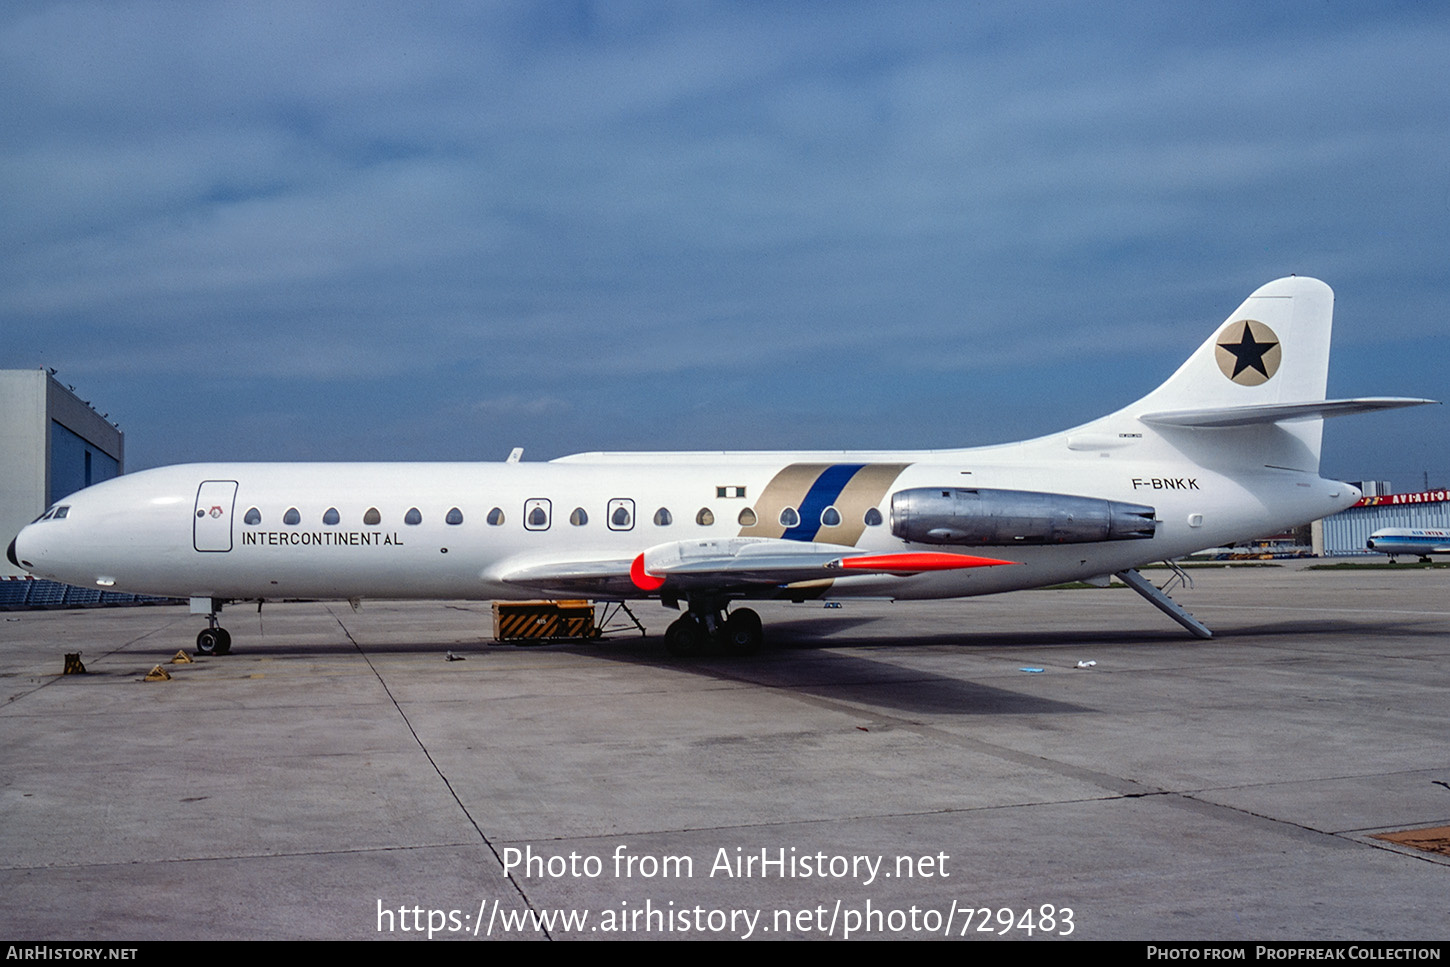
(942, 515)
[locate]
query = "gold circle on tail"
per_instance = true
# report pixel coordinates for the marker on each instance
(1248, 352)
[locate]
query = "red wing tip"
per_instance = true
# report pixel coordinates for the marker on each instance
(918, 562)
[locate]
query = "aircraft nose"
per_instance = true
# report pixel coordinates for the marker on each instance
(10, 552)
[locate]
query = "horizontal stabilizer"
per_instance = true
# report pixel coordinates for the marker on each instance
(1249, 415)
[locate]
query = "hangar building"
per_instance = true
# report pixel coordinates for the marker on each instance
(52, 443)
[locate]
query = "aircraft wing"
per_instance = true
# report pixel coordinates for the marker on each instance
(730, 563)
(600, 579)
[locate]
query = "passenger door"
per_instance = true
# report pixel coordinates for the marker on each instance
(212, 521)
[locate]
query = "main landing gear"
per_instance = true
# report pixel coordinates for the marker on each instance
(213, 639)
(706, 625)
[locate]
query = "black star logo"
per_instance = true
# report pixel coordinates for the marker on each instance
(1250, 355)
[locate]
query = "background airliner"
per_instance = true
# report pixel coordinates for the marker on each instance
(1227, 448)
(1409, 540)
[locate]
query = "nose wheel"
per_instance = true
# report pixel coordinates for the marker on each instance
(214, 641)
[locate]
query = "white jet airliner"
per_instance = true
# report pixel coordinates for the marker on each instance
(1406, 540)
(1227, 448)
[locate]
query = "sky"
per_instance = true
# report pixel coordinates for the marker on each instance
(440, 230)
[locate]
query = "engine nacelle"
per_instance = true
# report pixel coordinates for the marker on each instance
(954, 515)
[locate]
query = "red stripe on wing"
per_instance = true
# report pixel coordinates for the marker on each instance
(901, 563)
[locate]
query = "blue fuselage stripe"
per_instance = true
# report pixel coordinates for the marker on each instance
(823, 493)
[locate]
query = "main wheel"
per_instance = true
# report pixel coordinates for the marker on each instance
(685, 637)
(743, 632)
(207, 641)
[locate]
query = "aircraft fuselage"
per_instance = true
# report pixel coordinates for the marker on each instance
(184, 530)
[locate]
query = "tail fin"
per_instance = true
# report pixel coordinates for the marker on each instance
(1273, 349)
(1257, 385)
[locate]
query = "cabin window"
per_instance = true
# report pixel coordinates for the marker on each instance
(372, 516)
(579, 518)
(253, 517)
(455, 516)
(621, 514)
(412, 516)
(663, 518)
(873, 518)
(705, 517)
(830, 517)
(747, 518)
(495, 517)
(536, 513)
(291, 518)
(331, 517)
(789, 518)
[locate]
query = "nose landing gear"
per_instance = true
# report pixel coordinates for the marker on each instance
(213, 639)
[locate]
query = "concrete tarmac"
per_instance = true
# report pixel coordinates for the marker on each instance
(880, 770)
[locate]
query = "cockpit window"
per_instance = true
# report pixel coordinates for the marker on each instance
(253, 517)
(291, 518)
(61, 512)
